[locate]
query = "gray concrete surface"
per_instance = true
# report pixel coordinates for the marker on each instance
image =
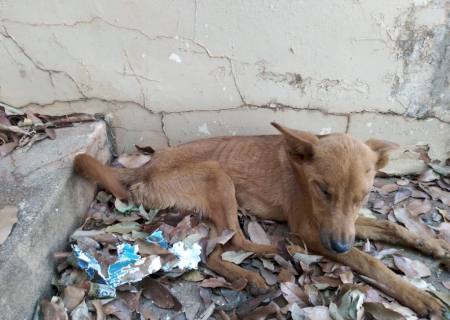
(141, 61)
(51, 202)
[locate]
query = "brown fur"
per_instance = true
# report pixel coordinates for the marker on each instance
(315, 183)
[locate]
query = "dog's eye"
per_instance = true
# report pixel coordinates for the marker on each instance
(324, 190)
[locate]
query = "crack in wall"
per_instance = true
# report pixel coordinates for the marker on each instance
(271, 106)
(295, 80)
(163, 128)
(37, 65)
(203, 48)
(138, 80)
(194, 35)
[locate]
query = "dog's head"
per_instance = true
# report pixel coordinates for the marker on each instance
(338, 173)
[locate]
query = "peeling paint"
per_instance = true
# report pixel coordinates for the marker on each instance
(325, 131)
(423, 87)
(175, 57)
(204, 129)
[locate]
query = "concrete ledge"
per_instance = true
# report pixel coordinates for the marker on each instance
(51, 203)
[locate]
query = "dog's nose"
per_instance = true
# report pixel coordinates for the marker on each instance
(340, 247)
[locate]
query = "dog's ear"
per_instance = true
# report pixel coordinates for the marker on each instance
(300, 144)
(382, 148)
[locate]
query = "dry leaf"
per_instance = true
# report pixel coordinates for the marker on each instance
(402, 194)
(100, 315)
(285, 264)
(294, 294)
(367, 246)
(147, 248)
(193, 276)
(123, 227)
(388, 188)
(420, 194)
(310, 313)
(133, 160)
(412, 223)
(444, 231)
(404, 311)
(270, 278)
(220, 282)
(385, 252)
(147, 313)
(418, 207)
(428, 176)
(367, 213)
(346, 277)
(417, 282)
(350, 306)
(118, 308)
(73, 297)
(159, 294)
(81, 312)
(313, 294)
(380, 312)
(182, 230)
(438, 193)
(52, 310)
(412, 268)
(446, 284)
(286, 276)
(307, 258)
(51, 133)
(236, 257)
(132, 299)
(267, 264)
(324, 282)
(403, 182)
(264, 312)
(222, 239)
(257, 233)
(145, 149)
(8, 217)
(208, 312)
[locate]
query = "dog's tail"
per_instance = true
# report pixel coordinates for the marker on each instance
(115, 180)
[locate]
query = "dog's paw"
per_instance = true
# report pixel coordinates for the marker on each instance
(438, 248)
(256, 284)
(425, 304)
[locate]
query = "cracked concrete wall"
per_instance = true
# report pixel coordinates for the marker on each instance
(170, 71)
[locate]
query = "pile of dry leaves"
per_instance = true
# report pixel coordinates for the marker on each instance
(130, 263)
(20, 129)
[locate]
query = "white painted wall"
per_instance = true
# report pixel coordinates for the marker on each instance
(169, 71)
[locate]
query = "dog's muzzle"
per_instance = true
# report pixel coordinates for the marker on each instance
(336, 246)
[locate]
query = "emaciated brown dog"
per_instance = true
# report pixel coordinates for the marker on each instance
(317, 183)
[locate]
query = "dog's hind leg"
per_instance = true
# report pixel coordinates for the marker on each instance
(386, 231)
(204, 187)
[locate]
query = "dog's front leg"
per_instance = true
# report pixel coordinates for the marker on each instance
(389, 232)
(389, 282)
(234, 272)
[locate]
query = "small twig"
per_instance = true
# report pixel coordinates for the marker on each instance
(11, 110)
(13, 129)
(208, 312)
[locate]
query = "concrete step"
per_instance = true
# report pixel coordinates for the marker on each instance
(51, 203)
